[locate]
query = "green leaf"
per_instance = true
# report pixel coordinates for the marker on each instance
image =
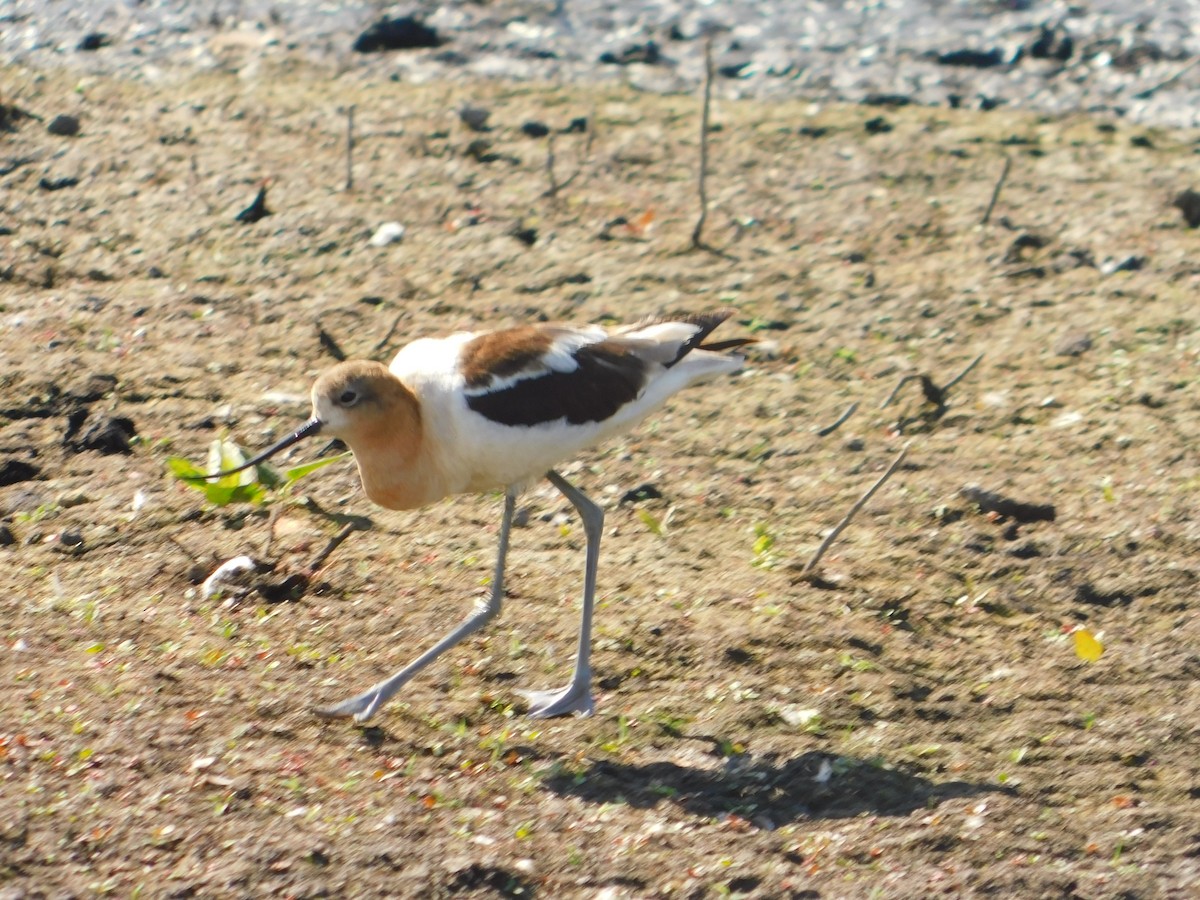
(297, 472)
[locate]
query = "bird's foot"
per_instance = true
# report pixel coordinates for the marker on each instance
(574, 698)
(361, 707)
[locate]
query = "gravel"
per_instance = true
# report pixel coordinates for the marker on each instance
(1132, 60)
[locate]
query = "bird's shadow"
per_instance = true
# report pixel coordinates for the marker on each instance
(766, 791)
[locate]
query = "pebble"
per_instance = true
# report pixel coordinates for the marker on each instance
(64, 126)
(1073, 343)
(387, 233)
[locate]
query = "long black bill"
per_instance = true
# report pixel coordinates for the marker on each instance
(309, 428)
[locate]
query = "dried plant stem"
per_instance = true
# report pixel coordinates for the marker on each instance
(334, 543)
(350, 147)
(702, 180)
(830, 429)
(961, 375)
(996, 190)
(862, 501)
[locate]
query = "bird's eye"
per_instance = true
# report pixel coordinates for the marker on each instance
(348, 397)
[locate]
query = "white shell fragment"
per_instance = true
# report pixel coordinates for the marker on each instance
(226, 575)
(387, 233)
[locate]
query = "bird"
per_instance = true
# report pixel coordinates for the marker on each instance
(479, 411)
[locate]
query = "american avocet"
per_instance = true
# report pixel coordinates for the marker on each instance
(486, 410)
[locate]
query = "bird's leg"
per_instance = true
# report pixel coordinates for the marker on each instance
(364, 705)
(576, 697)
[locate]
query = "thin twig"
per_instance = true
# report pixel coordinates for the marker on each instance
(552, 190)
(892, 396)
(1167, 82)
(334, 543)
(702, 180)
(996, 190)
(862, 501)
(830, 429)
(387, 337)
(350, 147)
(555, 185)
(961, 375)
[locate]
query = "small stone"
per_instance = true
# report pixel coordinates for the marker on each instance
(69, 499)
(64, 126)
(13, 471)
(877, 125)
(973, 59)
(535, 129)
(7, 538)
(647, 53)
(387, 233)
(91, 41)
(406, 33)
(1074, 343)
(475, 117)
(1188, 203)
(1129, 264)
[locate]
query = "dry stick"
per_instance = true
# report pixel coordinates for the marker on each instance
(556, 186)
(552, 190)
(830, 429)
(350, 147)
(892, 396)
(1167, 82)
(702, 182)
(961, 375)
(996, 190)
(334, 543)
(943, 390)
(387, 337)
(862, 501)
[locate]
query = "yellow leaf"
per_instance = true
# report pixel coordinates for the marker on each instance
(1087, 645)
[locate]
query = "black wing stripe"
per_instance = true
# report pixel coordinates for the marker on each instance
(607, 378)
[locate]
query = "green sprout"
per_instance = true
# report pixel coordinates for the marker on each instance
(249, 486)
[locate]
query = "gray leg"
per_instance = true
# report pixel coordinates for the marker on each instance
(364, 705)
(576, 697)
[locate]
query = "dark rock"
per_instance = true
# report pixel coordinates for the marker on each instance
(475, 117)
(93, 40)
(640, 493)
(648, 53)
(974, 59)
(578, 125)
(7, 538)
(1188, 203)
(877, 125)
(812, 131)
(256, 210)
(1052, 44)
(892, 100)
(10, 116)
(103, 433)
(406, 33)
(535, 129)
(57, 184)
(733, 70)
(14, 471)
(527, 236)
(1141, 140)
(64, 126)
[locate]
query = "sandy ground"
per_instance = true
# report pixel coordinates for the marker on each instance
(915, 722)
